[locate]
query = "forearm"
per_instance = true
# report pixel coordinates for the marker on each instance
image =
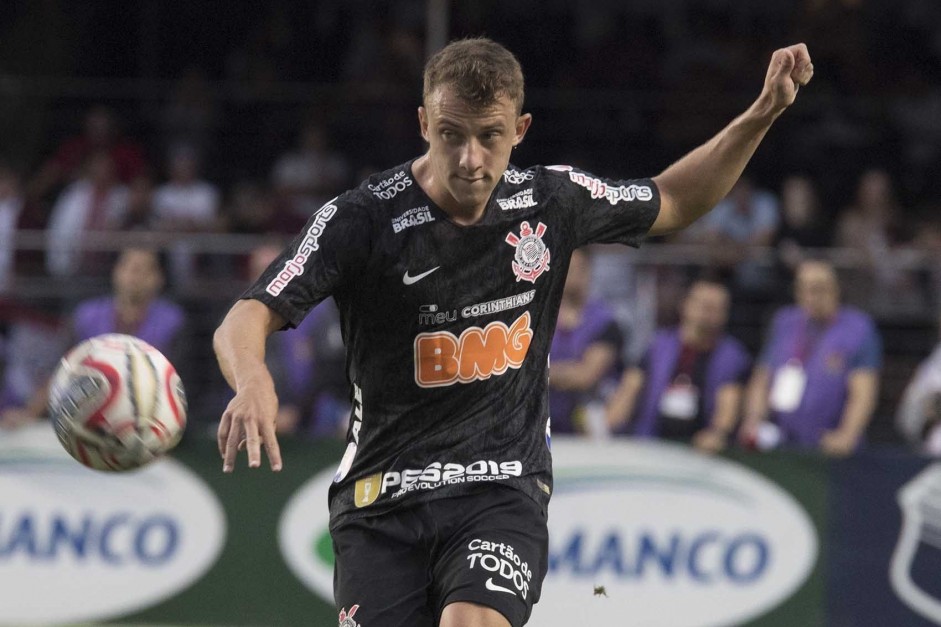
(756, 399)
(698, 181)
(621, 404)
(860, 404)
(239, 343)
(725, 415)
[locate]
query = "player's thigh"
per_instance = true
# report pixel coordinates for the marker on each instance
(496, 557)
(381, 576)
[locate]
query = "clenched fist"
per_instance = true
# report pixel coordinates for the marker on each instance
(790, 69)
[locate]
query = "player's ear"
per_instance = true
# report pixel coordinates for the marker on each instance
(423, 122)
(522, 125)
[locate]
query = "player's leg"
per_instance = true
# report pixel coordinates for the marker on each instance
(382, 575)
(464, 614)
(491, 558)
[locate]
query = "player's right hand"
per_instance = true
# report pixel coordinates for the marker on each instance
(249, 422)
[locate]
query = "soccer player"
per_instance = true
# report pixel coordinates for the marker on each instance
(448, 271)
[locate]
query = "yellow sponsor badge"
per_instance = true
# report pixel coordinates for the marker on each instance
(367, 490)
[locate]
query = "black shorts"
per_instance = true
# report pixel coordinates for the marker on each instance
(401, 569)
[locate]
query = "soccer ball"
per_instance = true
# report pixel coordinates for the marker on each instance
(117, 403)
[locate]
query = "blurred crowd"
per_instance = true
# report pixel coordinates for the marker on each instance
(290, 103)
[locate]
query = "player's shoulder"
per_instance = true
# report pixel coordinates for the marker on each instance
(388, 187)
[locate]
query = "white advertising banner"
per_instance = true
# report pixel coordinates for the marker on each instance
(80, 545)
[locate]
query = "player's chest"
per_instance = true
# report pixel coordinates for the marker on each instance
(442, 275)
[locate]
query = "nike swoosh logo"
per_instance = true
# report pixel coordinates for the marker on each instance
(492, 586)
(408, 280)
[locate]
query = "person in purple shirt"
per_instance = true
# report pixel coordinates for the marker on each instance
(135, 307)
(817, 379)
(584, 353)
(690, 382)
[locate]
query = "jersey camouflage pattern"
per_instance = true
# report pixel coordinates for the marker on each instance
(448, 327)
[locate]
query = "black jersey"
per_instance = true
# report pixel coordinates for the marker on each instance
(448, 327)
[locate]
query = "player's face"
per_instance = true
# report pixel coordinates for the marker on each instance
(468, 148)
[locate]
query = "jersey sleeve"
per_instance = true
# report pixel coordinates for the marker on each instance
(331, 250)
(869, 355)
(605, 211)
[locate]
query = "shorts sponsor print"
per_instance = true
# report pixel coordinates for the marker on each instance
(506, 571)
(397, 483)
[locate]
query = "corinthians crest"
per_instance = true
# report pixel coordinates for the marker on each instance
(346, 619)
(532, 255)
(919, 544)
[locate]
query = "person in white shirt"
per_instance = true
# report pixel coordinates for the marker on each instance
(185, 204)
(94, 203)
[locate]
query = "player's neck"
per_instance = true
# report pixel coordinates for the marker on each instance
(438, 193)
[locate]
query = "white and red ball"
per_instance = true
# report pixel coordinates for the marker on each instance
(117, 403)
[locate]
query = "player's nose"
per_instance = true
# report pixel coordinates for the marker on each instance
(472, 156)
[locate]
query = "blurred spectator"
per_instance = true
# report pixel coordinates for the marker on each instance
(918, 417)
(185, 204)
(310, 176)
(100, 135)
(11, 206)
(872, 225)
(134, 307)
(802, 222)
(690, 382)
(916, 114)
(35, 340)
(140, 204)
(817, 379)
(96, 202)
(253, 209)
(585, 351)
(190, 115)
(744, 221)
(308, 365)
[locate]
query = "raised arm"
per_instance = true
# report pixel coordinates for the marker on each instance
(239, 343)
(694, 184)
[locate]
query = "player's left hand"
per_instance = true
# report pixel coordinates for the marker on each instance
(789, 70)
(838, 443)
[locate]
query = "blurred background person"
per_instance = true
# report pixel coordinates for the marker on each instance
(918, 416)
(873, 225)
(584, 354)
(135, 307)
(689, 385)
(803, 225)
(306, 178)
(95, 203)
(736, 230)
(11, 207)
(35, 339)
(817, 379)
(100, 134)
(186, 204)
